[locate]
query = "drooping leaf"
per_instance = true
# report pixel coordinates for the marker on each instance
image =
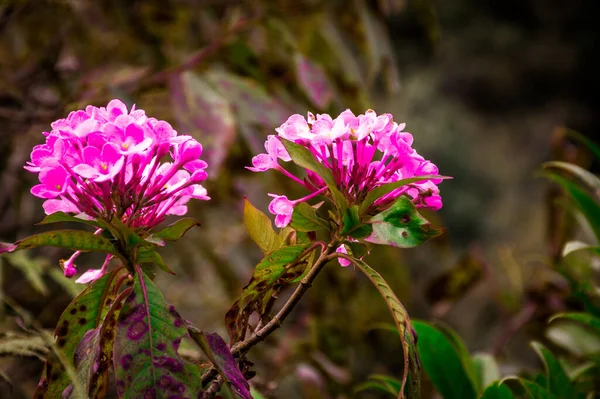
(575, 337)
(497, 390)
(582, 199)
(260, 229)
(176, 230)
(387, 188)
(205, 114)
(305, 218)
(84, 313)
(586, 319)
(148, 334)
(220, 356)
(93, 355)
(302, 157)
(487, 369)
(77, 240)
(411, 383)
(277, 270)
(558, 381)
(401, 225)
(585, 176)
(442, 363)
(313, 81)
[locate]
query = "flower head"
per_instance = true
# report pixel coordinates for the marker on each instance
(362, 152)
(110, 162)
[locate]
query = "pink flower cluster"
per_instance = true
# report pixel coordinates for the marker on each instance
(111, 162)
(363, 152)
(108, 162)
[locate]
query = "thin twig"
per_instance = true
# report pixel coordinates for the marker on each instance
(213, 388)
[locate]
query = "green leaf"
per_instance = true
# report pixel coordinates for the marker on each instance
(77, 240)
(302, 157)
(463, 353)
(584, 175)
(278, 269)
(411, 373)
(584, 318)
(220, 356)
(442, 363)
(149, 254)
(304, 218)
(401, 226)
(583, 200)
(84, 313)
(176, 230)
(351, 220)
(387, 188)
(497, 390)
(58, 217)
(594, 148)
(535, 391)
(487, 369)
(260, 229)
(148, 335)
(558, 381)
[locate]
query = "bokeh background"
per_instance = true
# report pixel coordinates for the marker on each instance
(486, 88)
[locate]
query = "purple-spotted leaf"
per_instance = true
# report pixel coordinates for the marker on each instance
(148, 334)
(76, 240)
(94, 353)
(313, 80)
(176, 230)
(85, 313)
(401, 226)
(203, 113)
(277, 270)
(412, 369)
(220, 356)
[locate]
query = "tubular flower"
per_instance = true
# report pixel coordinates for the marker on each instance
(109, 162)
(362, 152)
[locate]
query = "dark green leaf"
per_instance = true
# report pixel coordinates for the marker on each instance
(77, 240)
(463, 353)
(278, 269)
(220, 356)
(410, 382)
(584, 201)
(148, 335)
(558, 381)
(85, 313)
(176, 230)
(535, 391)
(401, 226)
(442, 363)
(305, 159)
(497, 390)
(304, 218)
(57, 217)
(260, 229)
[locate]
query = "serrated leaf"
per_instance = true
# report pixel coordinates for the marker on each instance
(387, 188)
(442, 363)
(77, 240)
(302, 157)
(148, 334)
(279, 268)
(411, 374)
(304, 218)
(220, 356)
(558, 381)
(205, 114)
(401, 225)
(175, 231)
(497, 390)
(84, 313)
(260, 229)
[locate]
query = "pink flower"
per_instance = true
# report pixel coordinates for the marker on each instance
(362, 152)
(109, 162)
(343, 262)
(282, 208)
